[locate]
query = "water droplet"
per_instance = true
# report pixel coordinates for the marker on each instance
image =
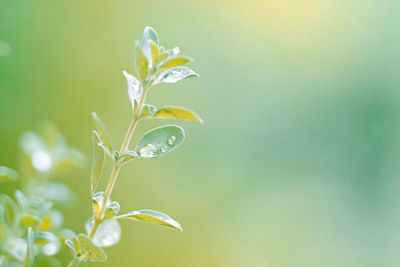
(171, 140)
(108, 233)
(41, 160)
(164, 149)
(176, 50)
(148, 151)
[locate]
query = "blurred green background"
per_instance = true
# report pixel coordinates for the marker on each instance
(298, 161)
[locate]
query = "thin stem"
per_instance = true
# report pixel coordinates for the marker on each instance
(73, 263)
(114, 173)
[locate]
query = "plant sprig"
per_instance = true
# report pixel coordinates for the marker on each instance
(154, 65)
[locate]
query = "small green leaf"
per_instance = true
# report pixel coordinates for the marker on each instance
(177, 113)
(160, 141)
(90, 251)
(155, 52)
(8, 211)
(174, 62)
(71, 246)
(30, 255)
(150, 34)
(112, 210)
(29, 220)
(127, 156)
(103, 132)
(48, 242)
(142, 65)
(147, 111)
(152, 216)
(97, 162)
(22, 202)
(175, 74)
(8, 174)
(134, 89)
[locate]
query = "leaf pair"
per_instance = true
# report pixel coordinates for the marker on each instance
(83, 249)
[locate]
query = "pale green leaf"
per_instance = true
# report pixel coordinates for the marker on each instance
(175, 74)
(21, 200)
(160, 141)
(177, 113)
(90, 251)
(142, 65)
(174, 62)
(8, 174)
(8, 211)
(134, 89)
(30, 255)
(152, 216)
(148, 111)
(103, 132)
(155, 52)
(127, 156)
(97, 161)
(29, 220)
(71, 246)
(150, 34)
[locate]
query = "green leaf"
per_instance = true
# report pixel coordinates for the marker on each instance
(49, 243)
(177, 113)
(127, 156)
(8, 211)
(8, 174)
(155, 52)
(30, 255)
(148, 111)
(174, 62)
(175, 74)
(29, 220)
(21, 201)
(152, 216)
(112, 210)
(142, 65)
(160, 141)
(90, 251)
(150, 34)
(103, 133)
(97, 162)
(71, 246)
(134, 88)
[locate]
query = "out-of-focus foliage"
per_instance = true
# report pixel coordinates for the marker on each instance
(30, 225)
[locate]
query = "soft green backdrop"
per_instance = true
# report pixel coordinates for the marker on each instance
(298, 161)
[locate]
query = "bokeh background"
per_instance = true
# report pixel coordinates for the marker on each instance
(298, 161)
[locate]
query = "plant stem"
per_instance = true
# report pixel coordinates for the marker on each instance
(114, 173)
(73, 263)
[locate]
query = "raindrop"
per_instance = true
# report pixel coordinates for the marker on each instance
(148, 151)
(171, 140)
(108, 233)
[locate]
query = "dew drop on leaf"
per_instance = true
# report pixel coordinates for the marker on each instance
(108, 233)
(148, 151)
(171, 140)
